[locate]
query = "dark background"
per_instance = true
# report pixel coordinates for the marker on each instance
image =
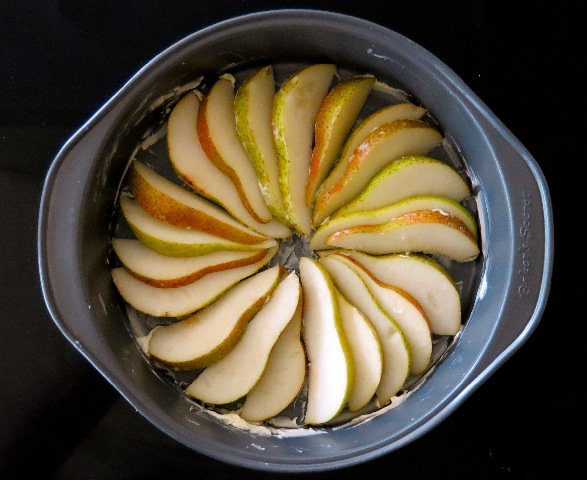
(61, 60)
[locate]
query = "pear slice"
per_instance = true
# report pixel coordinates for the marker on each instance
(168, 272)
(219, 139)
(175, 241)
(330, 371)
(383, 116)
(366, 351)
(236, 374)
(179, 301)
(424, 279)
(405, 311)
(175, 205)
(406, 177)
(426, 231)
(283, 377)
(342, 221)
(336, 116)
(253, 105)
(194, 168)
(381, 147)
(295, 107)
(396, 356)
(208, 335)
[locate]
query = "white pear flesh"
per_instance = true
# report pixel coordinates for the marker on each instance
(424, 231)
(386, 144)
(388, 114)
(175, 241)
(170, 203)
(342, 221)
(409, 176)
(336, 117)
(191, 165)
(424, 279)
(205, 337)
(232, 377)
(295, 107)
(330, 370)
(396, 357)
(179, 301)
(253, 105)
(283, 377)
(366, 351)
(406, 313)
(168, 272)
(219, 139)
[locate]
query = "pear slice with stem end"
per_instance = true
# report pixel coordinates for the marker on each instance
(342, 221)
(175, 205)
(169, 272)
(193, 167)
(425, 231)
(295, 107)
(208, 335)
(330, 370)
(424, 279)
(232, 377)
(366, 351)
(396, 356)
(383, 116)
(336, 116)
(380, 148)
(175, 241)
(406, 177)
(179, 301)
(406, 313)
(219, 139)
(253, 105)
(283, 377)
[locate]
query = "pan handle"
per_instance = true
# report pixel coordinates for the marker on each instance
(530, 270)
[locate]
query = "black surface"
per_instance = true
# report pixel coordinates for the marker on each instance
(60, 60)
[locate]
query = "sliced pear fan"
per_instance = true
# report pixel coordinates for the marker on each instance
(366, 351)
(237, 373)
(264, 161)
(253, 105)
(342, 221)
(173, 204)
(407, 314)
(381, 147)
(424, 231)
(406, 177)
(208, 335)
(336, 116)
(283, 377)
(383, 116)
(179, 301)
(175, 241)
(330, 370)
(295, 107)
(219, 139)
(424, 279)
(168, 272)
(193, 166)
(396, 356)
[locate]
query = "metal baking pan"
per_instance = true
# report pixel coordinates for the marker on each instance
(511, 282)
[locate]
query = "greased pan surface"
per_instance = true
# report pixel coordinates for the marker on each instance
(512, 201)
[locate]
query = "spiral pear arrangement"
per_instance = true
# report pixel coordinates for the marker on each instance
(256, 164)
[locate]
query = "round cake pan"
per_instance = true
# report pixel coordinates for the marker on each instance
(513, 208)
